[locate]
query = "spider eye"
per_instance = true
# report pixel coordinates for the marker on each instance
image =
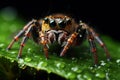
(52, 23)
(46, 20)
(62, 24)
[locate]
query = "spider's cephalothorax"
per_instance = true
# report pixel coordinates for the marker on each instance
(62, 29)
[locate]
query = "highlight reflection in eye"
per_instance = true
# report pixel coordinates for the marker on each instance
(62, 23)
(52, 23)
(57, 22)
(46, 20)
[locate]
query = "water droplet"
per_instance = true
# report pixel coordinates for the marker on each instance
(60, 65)
(13, 52)
(27, 59)
(12, 60)
(107, 76)
(71, 75)
(42, 64)
(87, 76)
(90, 67)
(79, 77)
(100, 74)
(20, 61)
(2, 45)
(23, 66)
(74, 59)
(103, 63)
(99, 67)
(29, 50)
(76, 69)
(118, 61)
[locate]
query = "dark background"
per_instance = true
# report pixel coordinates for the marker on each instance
(102, 15)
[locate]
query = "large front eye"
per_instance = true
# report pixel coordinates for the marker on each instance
(46, 20)
(52, 23)
(62, 24)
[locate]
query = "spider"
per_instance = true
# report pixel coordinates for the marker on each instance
(62, 29)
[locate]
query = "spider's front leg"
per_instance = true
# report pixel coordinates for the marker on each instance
(25, 38)
(92, 46)
(24, 32)
(20, 34)
(70, 41)
(92, 36)
(101, 43)
(44, 42)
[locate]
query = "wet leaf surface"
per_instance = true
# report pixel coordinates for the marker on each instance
(77, 64)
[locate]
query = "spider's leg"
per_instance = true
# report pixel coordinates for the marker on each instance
(44, 43)
(20, 34)
(92, 46)
(15, 39)
(25, 38)
(70, 41)
(46, 51)
(98, 39)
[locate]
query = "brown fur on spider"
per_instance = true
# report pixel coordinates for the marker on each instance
(62, 29)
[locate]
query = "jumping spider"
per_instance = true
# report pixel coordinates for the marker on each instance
(62, 29)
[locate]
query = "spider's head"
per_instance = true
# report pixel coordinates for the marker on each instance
(59, 22)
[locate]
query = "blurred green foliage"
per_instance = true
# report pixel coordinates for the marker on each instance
(76, 65)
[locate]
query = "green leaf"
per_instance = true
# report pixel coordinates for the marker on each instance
(77, 64)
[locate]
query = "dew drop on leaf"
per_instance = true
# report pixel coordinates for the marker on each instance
(29, 50)
(100, 74)
(20, 61)
(87, 76)
(76, 69)
(42, 64)
(118, 61)
(79, 77)
(60, 65)
(103, 63)
(27, 59)
(1, 45)
(71, 75)
(13, 52)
